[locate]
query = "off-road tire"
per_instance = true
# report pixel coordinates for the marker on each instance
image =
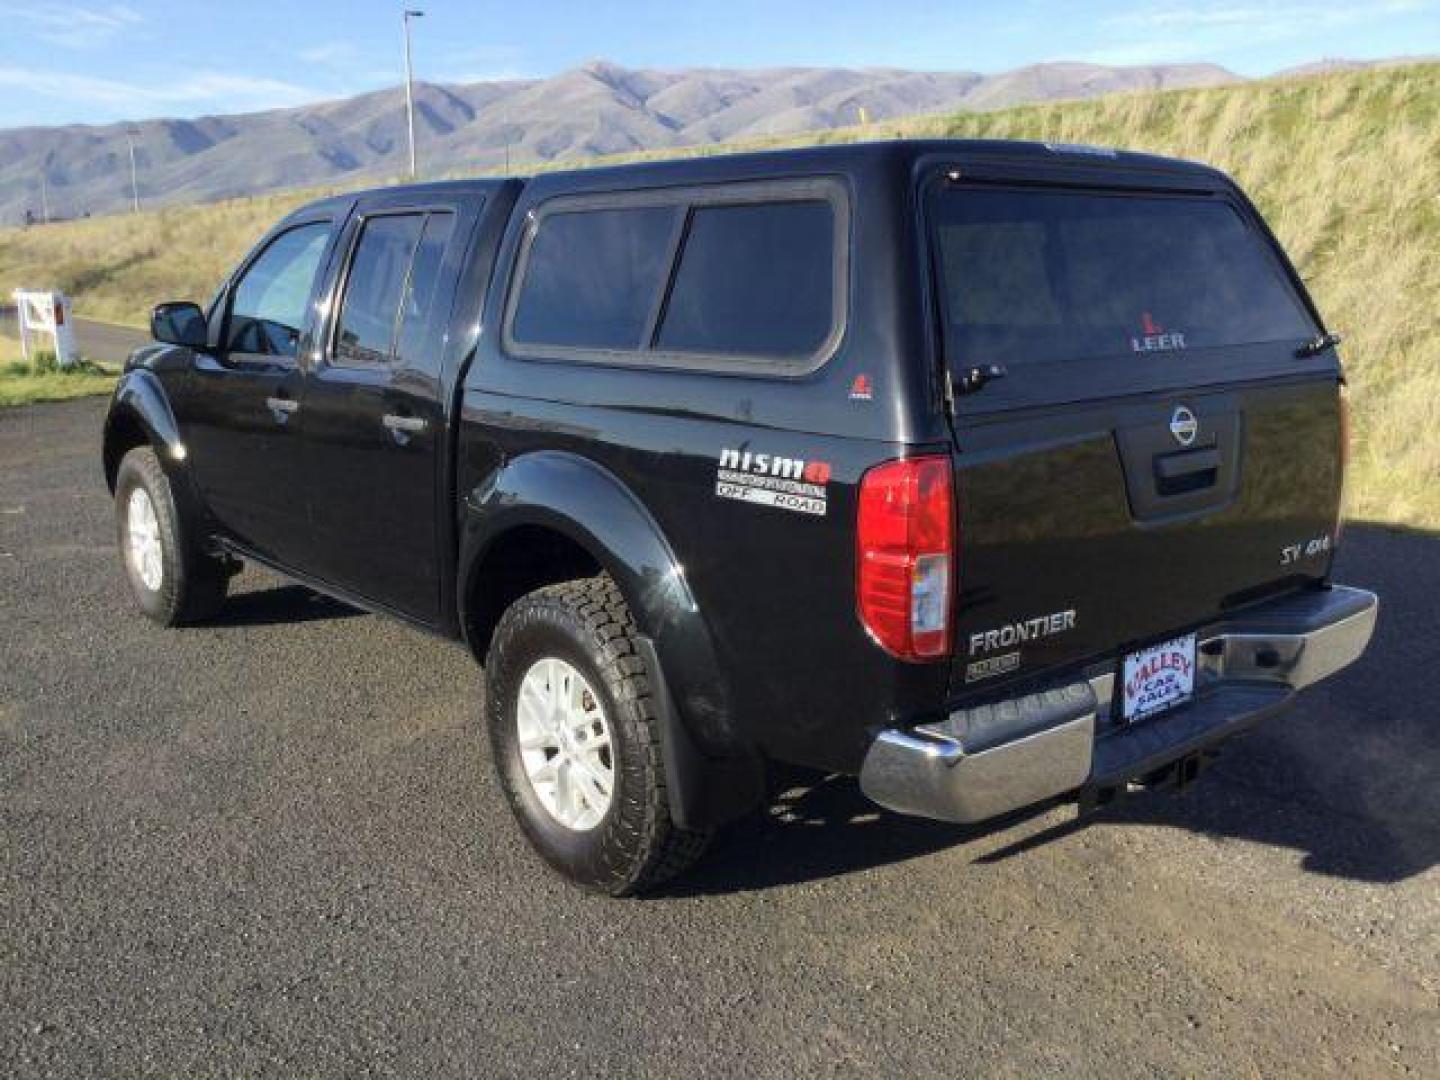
(192, 585)
(586, 623)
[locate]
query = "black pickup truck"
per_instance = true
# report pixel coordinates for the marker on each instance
(992, 473)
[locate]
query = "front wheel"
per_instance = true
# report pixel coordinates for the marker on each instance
(172, 581)
(573, 730)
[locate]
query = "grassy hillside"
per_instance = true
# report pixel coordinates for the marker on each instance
(116, 268)
(1344, 167)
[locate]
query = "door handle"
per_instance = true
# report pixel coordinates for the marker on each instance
(282, 408)
(402, 427)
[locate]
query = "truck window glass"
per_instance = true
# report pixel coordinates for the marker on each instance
(754, 279)
(1047, 276)
(365, 333)
(420, 289)
(268, 313)
(593, 276)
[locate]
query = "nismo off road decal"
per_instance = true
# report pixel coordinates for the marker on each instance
(787, 483)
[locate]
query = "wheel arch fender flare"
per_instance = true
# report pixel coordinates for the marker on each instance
(591, 506)
(141, 404)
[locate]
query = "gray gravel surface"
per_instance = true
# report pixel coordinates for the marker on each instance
(274, 846)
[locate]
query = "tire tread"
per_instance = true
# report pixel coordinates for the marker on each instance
(194, 587)
(664, 850)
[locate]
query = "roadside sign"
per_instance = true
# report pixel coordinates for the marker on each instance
(46, 313)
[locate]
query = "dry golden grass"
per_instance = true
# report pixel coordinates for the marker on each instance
(1344, 166)
(116, 268)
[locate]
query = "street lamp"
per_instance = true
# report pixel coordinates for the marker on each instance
(45, 187)
(134, 183)
(409, 14)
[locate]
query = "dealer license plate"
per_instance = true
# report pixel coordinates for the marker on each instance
(1159, 678)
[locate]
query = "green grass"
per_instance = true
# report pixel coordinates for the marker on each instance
(24, 383)
(1344, 166)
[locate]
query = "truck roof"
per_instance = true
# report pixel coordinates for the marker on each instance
(839, 157)
(835, 157)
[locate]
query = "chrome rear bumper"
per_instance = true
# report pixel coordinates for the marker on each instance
(982, 762)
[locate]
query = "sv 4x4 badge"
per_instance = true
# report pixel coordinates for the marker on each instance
(772, 480)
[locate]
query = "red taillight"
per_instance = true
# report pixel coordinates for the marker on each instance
(905, 553)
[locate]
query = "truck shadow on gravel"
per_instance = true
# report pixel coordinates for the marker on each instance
(1350, 778)
(283, 604)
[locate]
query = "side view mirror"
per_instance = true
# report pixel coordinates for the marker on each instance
(179, 322)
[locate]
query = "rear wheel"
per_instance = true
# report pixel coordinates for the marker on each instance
(173, 582)
(571, 717)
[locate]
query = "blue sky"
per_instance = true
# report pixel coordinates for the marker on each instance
(97, 62)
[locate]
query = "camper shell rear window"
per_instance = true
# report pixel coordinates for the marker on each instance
(1053, 276)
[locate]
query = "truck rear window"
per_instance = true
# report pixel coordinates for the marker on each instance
(1046, 276)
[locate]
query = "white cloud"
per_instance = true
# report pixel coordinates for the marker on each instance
(71, 25)
(464, 78)
(482, 63)
(329, 53)
(1291, 18)
(1139, 54)
(226, 93)
(1170, 31)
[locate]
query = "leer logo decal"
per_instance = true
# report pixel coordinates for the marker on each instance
(1155, 338)
(786, 483)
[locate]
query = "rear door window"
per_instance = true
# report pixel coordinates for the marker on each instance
(390, 289)
(379, 270)
(421, 292)
(1031, 277)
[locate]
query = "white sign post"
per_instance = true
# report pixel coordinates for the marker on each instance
(47, 313)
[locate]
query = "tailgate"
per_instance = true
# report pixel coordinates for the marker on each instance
(1087, 534)
(1157, 452)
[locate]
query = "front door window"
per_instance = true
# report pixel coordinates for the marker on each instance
(268, 312)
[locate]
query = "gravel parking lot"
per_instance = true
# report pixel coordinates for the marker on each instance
(274, 846)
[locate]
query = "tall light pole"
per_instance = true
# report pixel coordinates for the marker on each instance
(134, 183)
(45, 187)
(409, 14)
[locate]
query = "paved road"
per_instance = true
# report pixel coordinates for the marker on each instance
(100, 341)
(274, 846)
(106, 342)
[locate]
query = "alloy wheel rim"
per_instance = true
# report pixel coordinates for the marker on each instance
(565, 744)
(143, 532)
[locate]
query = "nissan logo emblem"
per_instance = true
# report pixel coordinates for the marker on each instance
(1184, 426)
